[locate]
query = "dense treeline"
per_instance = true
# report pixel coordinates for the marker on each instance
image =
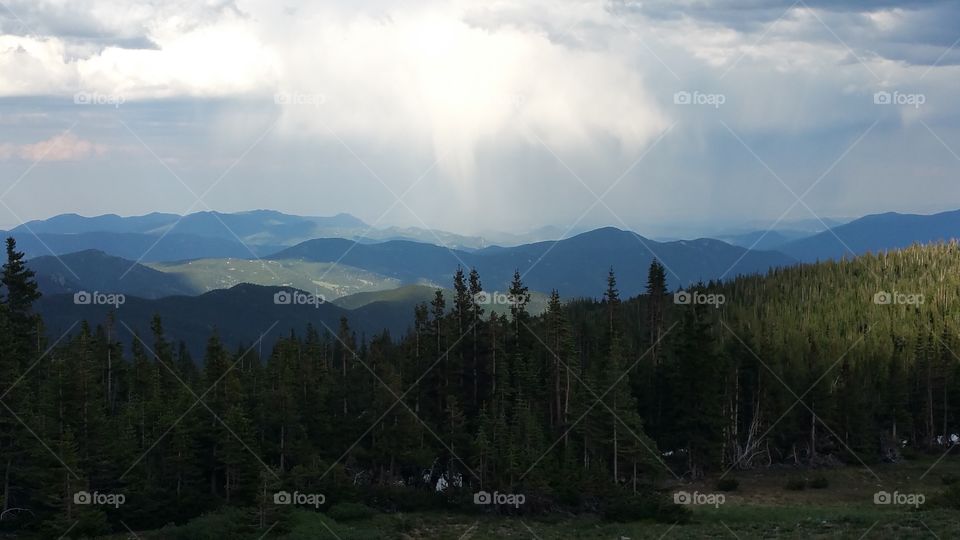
(591, 402)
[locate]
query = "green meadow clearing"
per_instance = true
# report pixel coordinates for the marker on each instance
(834, 503)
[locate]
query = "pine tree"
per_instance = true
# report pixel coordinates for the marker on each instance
(519, 296)
(462, 314)
(18, 333)
(437, 382)
(240, 477)
(346, 346)
(656, 307)
(217, 400)
(697, 416)
(20, 291)
(476, 318)
(566, 367)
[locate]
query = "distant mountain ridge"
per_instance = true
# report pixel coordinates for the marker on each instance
(152, 237)
(93, 270)
(138, 246)
(335, 267)
(577, 266)
(207, 223)
(765, 240)
(572, 264)
(876, 232)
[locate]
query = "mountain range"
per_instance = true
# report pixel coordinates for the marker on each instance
(217, 269)
(874, 233)
(169, 237)
(576, 266)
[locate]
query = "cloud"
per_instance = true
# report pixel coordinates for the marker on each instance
(105, 23)
(918, 32)
(428, 75)
(61, 147)
(517, 100)
(142, 50)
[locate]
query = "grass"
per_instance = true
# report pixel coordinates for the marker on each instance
(725, 522)
(759, 508)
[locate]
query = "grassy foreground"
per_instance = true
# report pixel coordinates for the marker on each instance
(762, 506)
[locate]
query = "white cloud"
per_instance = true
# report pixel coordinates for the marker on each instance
(433, 76)
(420, 72)
(215, 59)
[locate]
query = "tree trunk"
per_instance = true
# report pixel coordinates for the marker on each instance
(813, 436)
(616, 450)
(929, 404)
(6, 486)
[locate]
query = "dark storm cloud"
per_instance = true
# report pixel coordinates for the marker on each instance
(88, 26)
(922, 33)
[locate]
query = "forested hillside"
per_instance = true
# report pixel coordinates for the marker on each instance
(589, 407)
(853, 360)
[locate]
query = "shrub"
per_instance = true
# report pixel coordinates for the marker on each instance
(728, 484)
(569, 496)
(394, 499)
(819, 482)
(909, 453)
(796, 484)
(950, 498)
(349, 511)
(308, 525)
(224, 523)
(403, 523)
(625, 508)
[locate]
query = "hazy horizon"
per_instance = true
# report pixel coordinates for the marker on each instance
(664, 232)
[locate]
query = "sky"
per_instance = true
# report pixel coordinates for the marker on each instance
(666, 117)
